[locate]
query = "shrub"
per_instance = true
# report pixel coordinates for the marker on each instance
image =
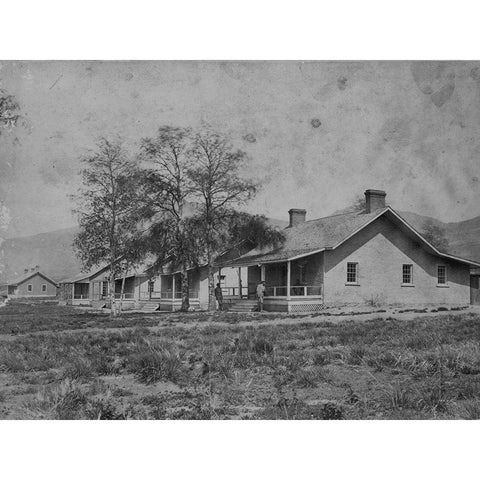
(262, 347)
(156, 362)
(63, 402)
(78, 369)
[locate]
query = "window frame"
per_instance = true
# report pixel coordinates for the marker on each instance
(104, 288)
(356, 282)
(410, 283)
(151, 286)
(44, 287)
(445, 283)
(29, 287)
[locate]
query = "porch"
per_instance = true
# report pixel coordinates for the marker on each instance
(167, 291)
(290, 286)
(80, 293)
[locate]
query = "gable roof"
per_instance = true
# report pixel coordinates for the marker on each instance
(329, 233)
(26, 276)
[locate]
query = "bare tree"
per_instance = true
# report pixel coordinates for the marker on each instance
(168, 188)
(110, 212)
(9, 111)
(219, 188)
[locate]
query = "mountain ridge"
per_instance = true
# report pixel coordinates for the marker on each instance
(53, 251)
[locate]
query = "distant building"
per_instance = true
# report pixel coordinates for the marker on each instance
(32, 283)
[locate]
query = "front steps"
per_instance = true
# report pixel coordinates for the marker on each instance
(149, 307)
(244, 305)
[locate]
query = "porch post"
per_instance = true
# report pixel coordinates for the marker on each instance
(262, 273)
(173, 287)
(73, 292)
(240, 282)
(289, 269)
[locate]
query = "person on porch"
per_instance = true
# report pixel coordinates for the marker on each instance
(219, 296)
(260, 295)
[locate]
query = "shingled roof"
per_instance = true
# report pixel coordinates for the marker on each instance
(327, 233)
(310, 236)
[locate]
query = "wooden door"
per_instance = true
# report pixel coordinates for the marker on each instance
(475, 289)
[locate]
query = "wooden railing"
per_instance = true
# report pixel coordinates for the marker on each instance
(295, 291)
(166, 295)
(234, 291)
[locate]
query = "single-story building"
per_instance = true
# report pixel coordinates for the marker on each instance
(371, 256)
(32, 283)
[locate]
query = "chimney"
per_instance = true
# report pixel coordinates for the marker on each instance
(25, 270)
(32, 269)
(297, 216)
(374, 200)
(37, 268)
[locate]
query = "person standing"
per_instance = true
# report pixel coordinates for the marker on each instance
(260, 295)
(219, 296)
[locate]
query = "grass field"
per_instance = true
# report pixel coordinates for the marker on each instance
(62, 363)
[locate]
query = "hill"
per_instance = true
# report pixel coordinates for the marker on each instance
(463, 237)
(51, 251)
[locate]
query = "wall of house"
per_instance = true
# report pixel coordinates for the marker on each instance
(230, 277)
(65, 292)
(36, 281)
(380, 250)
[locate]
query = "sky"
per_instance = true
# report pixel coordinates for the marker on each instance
(318, 134)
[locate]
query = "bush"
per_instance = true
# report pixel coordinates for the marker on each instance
(156, 362)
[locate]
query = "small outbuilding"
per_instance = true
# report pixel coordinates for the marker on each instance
(32, 283)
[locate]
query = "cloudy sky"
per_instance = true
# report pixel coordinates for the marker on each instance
(318, 133)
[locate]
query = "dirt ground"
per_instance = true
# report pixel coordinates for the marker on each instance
(353, 363)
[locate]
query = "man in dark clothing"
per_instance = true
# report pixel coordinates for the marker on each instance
(219, 296)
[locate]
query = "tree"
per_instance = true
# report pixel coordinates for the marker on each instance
(435, 235)
(110, 212)
(168, 187)
(219, 189)
(9, 110)
(9, 116)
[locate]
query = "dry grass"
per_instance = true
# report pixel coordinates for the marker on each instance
(425, 368)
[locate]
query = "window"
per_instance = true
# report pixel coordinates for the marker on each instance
(104, 289)
(352, 272)
(29, 287)
(150, 286)
(44, 287)
(407, 274)
(442, 275)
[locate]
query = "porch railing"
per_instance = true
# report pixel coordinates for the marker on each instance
(234, 291)
(78, 296)
(166, 295)
(126, 296)
(295, 291)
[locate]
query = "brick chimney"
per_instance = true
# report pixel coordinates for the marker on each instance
(374, 200)
(25, 270)
(297, 216)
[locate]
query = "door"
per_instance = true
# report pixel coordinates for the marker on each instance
(475, 289)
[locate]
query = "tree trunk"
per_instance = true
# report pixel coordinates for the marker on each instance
(120, 304)
(211, 288)
(185, 286)
(113, 310)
